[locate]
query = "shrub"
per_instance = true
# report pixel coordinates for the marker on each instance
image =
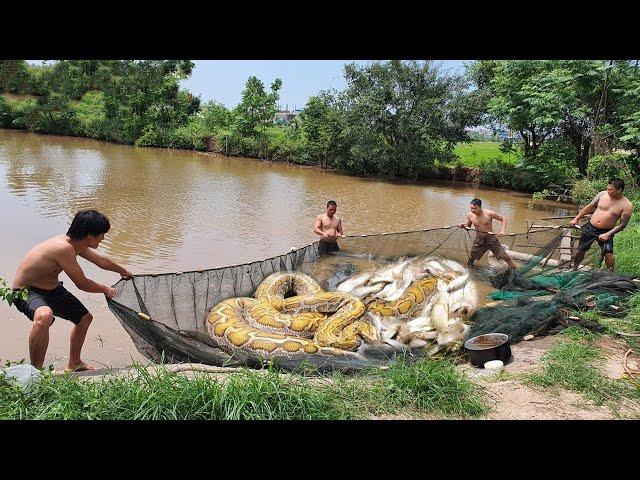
(497, 172)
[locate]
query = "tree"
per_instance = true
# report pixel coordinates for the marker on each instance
(582, 101)
(257, 107)
(403, 116)
(321, 125)
(14, 76)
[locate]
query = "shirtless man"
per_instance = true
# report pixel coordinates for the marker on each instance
(482, 220)
(609, 206)
(39, 272)
(329, 227)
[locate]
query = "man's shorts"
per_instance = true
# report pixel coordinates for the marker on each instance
(591, 234)
(327, 247)
(490, 242)
(59, 300)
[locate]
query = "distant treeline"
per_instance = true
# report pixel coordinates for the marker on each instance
(579, 120)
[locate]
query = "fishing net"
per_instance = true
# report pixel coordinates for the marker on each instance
(166, 313)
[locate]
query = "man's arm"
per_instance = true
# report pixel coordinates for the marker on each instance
(502, 220)
(317, 226)
(467, 224)
(624, 220)
(586, 210)
(67, 260)
(104, 263)
(339, 229)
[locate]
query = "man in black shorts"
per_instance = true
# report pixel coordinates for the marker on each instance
(609, 206)
(39, 272)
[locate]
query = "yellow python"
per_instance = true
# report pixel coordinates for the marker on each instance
(312, 322)
(410, 303)
(274, 326)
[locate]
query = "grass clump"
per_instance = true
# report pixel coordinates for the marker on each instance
(426, 386)
(161, 395)
(573, 365)
(434, 386)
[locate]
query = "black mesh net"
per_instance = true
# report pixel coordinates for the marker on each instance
(166, 314)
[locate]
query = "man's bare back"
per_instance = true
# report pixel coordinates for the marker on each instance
(41, 266)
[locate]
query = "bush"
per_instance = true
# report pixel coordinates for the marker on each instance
(24, 114)
(90, 114)
(6, 115)
(583, 190)
(553, 164)
(612, 165)
(497, 172)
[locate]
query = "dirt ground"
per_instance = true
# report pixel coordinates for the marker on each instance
(509, 398)
(512, 400)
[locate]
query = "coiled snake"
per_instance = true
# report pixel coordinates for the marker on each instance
(312, 321)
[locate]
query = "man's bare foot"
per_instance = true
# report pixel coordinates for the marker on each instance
(80, 367)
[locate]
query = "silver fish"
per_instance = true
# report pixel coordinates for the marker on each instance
(350, 283)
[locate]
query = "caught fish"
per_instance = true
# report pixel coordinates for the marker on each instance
(349, 284)
(464, 302)
(458, 282)
(440, 314)
(455, 332)
(389, 274)
(363, 291)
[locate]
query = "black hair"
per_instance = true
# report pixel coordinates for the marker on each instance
(476, 201)
(88, 222)
(617, 183)
(331, 202)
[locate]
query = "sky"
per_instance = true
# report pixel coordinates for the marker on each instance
(223, 80)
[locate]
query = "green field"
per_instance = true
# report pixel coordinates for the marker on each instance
(473, 153)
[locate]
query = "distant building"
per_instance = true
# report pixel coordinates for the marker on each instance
(496, 133)
(284, 117)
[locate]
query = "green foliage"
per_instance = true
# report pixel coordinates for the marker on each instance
(14, 76)
(584, 190)
(89, 112)
(627, 246)
(9, 295)
(257, 107)
(550, 165)
(498, 172)
(6, 115)
(612, 165)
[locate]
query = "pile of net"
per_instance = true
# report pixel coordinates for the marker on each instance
(211, 315)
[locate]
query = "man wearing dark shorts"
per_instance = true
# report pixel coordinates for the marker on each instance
(62, 303)
(609, 206)
(329, 226)
(39, 271)
(482, 220)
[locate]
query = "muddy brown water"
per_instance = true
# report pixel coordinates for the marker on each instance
(178, 211)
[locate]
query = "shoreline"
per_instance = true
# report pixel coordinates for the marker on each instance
(465, 176)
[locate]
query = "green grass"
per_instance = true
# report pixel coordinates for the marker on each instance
(471, 154)
(13, 98)
(626, 245)
(418, 388)
(573, 365)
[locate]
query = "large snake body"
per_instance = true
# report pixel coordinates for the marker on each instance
(312, 323)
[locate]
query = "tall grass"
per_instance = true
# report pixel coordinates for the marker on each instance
(421, 387)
